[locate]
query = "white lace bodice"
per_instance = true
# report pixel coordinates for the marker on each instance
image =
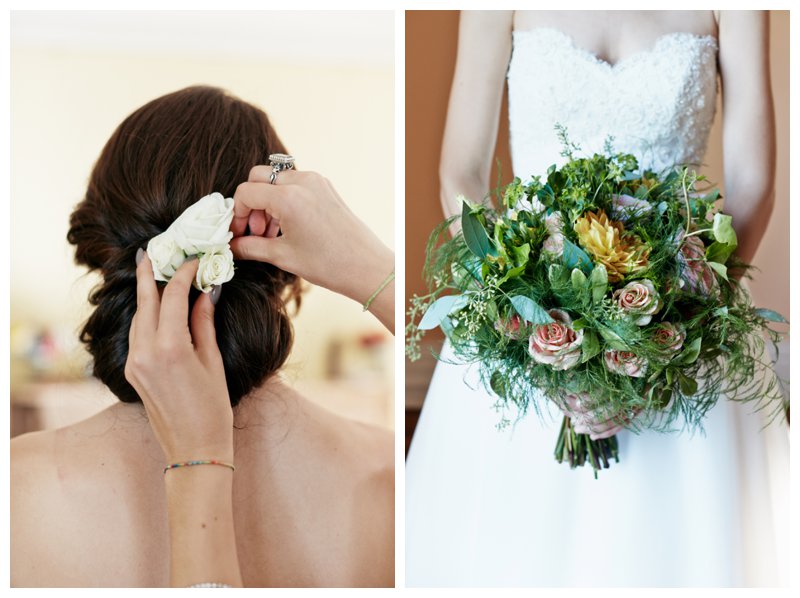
(657, 104)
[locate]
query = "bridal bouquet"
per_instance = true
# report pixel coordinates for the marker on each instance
(602, 287)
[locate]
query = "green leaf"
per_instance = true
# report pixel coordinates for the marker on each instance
(719, 269)
(723, 231)
(498, 384)
(579, 281)
(612, 339)
(719, 252)
(440, 309)
(512, 273)
(557, 274)
(590, 345)
(598, 282)
(671, 376)
(688, 385)
(522, 254)
(474, 234)
(689, 353)
(575, 257)
(530, 311)
(770, 315)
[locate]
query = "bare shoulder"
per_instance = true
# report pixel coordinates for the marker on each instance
(34, 496)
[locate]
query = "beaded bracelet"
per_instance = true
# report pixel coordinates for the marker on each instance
(199, 462)
(369, 301)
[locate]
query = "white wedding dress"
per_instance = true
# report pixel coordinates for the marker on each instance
(493, 508)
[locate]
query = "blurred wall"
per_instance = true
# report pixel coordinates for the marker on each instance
(326, 81)
(431, 39)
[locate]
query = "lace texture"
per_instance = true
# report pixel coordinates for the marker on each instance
(657, 104)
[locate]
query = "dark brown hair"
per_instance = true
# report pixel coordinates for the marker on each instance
(162, 158)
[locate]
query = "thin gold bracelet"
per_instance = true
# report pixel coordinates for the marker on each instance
(388, 279)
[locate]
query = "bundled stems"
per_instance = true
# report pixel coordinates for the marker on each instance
(578, 449)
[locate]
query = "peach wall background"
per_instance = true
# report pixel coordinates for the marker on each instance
(431, 38)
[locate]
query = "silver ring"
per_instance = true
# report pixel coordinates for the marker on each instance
(279, 162)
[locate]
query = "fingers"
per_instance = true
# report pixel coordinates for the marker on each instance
(274, 228)
(262, 196)
(260, 249)
(147, 300)
(204, 335)
(257, 222)
(174, 314)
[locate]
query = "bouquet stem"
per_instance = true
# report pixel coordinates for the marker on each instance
(576, 449)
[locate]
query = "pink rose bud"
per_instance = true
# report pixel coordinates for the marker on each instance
(695, 273)
(669, 337)
(557, 343)
(509, 326)
(624, 207)
(640, 299)
(624, 363)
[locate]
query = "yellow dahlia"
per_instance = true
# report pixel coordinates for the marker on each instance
(606, 240)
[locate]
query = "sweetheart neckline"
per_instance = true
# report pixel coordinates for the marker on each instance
(625, 59)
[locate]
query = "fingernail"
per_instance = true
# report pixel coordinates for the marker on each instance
(139, 256)
(215, 293)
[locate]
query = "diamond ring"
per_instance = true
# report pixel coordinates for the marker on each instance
(279, 162)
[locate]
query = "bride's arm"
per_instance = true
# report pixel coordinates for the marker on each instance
(473, 114)
(748, 125)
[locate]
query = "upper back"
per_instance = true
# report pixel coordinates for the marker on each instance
(313, 502)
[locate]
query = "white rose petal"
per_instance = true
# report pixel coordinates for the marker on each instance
(204, 227)
(214, 269)
(165, 255)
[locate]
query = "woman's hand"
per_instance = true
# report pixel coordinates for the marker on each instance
(177, 369)
(321, 241)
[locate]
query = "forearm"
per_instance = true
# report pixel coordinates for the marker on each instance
(751, 217)
(201, 527)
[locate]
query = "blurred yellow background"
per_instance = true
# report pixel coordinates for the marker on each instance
(326, 80)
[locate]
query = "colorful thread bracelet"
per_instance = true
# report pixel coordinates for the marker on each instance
(388, 279)
(199, 462)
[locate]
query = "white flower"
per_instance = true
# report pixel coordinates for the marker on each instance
(165, 255)
(530, 205)
(204, 226)
(214, 268)
(625, 207)
(554, 244)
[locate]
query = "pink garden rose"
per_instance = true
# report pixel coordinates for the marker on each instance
(696, 275)
(510, 326)
(557, 343)
(639, 298)
(624, 207)
(625, 363)
(669, 337)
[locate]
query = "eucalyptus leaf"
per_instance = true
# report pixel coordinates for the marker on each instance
(440, 309)
(575, 257)
(770, 315)
(475, 235)
(530, 311)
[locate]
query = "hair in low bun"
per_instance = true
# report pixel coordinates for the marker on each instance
(162, 158)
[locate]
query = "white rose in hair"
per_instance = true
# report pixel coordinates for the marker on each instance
(204, 226)
(214, 268)
(166, 256)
